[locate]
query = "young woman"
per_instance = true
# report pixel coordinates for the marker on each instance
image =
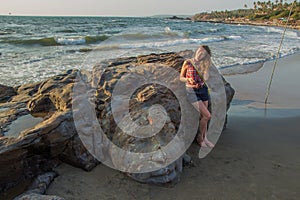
(194, 73)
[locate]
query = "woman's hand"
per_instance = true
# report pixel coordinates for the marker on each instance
(191, 81)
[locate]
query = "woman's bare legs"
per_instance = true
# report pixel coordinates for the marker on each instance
(210, 144)
(202, 107)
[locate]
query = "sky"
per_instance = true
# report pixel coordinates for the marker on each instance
(117, 7)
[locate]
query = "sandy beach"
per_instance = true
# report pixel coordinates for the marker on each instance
(256, 157)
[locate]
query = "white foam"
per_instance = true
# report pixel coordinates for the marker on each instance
(170, 32)
(288, 33)
(234, 37)
(273, 29)
(70, 41)
(167, 29)
(292, 34)
(167, 43)
(213, 30)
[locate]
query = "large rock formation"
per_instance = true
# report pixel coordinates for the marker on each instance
(50, 136)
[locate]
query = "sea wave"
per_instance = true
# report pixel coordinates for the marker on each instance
(164, 43)
(211, 30)
(233, 37)
(70, 40)
(293, 34)
(290, 33)
(4, 33)
(154, 35)
(243, 65)
(66, 31)
(57, 41)
(241, 68)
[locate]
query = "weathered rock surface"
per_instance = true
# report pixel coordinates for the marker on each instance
(38, 187)
(40, 148)
(34, 196)
(6, 93)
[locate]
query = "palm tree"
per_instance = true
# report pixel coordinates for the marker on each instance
(280, 4)
(255, 5)
(272, 6)
(258, 5)
(263, 6)
(295, 3)
(269, 4)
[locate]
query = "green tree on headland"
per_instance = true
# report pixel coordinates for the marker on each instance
(261, 11)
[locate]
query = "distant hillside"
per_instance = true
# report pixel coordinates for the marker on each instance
(262, 12)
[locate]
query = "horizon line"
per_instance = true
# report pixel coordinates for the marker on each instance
(36, 15)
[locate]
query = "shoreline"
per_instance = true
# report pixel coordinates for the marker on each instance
(252, 87)
(257, 23)
(240, 21)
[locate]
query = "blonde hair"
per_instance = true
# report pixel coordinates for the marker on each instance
(205, 62)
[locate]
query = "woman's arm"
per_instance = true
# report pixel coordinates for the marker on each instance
(183, 72)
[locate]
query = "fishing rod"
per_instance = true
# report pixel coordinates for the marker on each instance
(277, 56)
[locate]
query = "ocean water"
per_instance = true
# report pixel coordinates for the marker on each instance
(34, 48)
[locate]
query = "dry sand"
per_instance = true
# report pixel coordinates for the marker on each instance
(256, 157)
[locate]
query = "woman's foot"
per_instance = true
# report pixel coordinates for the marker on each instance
(208, 143)
(201, 142)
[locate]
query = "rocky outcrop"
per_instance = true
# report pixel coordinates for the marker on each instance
(38, 187)
(54, 139)
(179, 18)
(6, 93)
(39, 148)
(34, 196)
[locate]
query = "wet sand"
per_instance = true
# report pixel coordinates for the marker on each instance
(284, 92)
(256, 157)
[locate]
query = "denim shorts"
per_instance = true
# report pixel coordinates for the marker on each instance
(197, 94)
